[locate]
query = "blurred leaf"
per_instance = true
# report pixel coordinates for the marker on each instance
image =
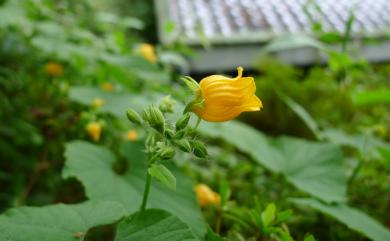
(92, 165)
(153, 224)
(268, 215)
(162, 174)
(372, 97)
(283, 216)
(114, 103)
(58, 222)
(211, 236)
(309, 238)
(301, 112)
(352, 217)
(291, 42)
(313, 167)
(224, 192)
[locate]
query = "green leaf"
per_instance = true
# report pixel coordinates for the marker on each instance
(292, 42)
(313, 167)
(283, 216)
(114, 103)
(268, 215)
(352, 217)
(309, 238)
(58, 222)
(161, 173)
(372, 97)
(153, 225)
(300, 112)
(224, 192)
(92, 165)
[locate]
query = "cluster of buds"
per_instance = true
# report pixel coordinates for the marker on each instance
(165, 138)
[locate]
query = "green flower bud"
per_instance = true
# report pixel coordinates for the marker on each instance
(133, 116)
(184, 145)
(167, 104)
(167, 153)
(151, 141)
(182, 122)
(169, 133)
(199, 149)
(179, 134)
(155, 118)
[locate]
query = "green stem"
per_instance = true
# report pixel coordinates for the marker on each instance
(197, 123)
(146, 191)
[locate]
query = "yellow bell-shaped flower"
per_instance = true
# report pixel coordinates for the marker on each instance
(148, 52)
(94, 130)
(206, 196)
(221, 98)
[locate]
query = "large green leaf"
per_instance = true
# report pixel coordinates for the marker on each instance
(58, 222)
(313, 167)
(353, 218)
(114, 103)
(92, 165)
(153, 225)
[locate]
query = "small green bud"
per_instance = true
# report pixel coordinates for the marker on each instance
(182, 122)
(155, 118)
(133, 116)
(169, 133)
(167, 104)
(167, 153)
(179, 134)
(199, 149)
(184, 145)
(151, 141)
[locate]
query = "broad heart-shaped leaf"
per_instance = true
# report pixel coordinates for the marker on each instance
(92, 165)
(313, 167)
(352, 217)
(153, 225)
(114, 103)
(58, 222)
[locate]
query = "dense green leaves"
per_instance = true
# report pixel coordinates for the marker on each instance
(92, 165)
(312, 167)
(58, 222)
(351, 217)
(153, 225)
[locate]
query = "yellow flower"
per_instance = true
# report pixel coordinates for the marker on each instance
(220, 98)
(97, 102)
(94, 130)
(148, 52)
(54, 69)
(107, 86)
(131, 135)
(206, 196)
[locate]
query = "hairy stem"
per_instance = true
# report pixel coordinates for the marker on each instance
(146, 191)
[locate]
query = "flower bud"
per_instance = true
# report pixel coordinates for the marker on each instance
(167, 153)
(184, 145)
(167, 104)
(155, 118)
(182, 122)
(151, 141)
(134, 117)
(199, 149)
(179, 134)
(169, 133)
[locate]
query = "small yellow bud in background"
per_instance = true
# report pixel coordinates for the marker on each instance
(94, 130)
(148, 52)
(206, 196)
(221, 98)
(54, 69)
(97, 102)
(131, 135)
(107, 86)
(380, 130)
